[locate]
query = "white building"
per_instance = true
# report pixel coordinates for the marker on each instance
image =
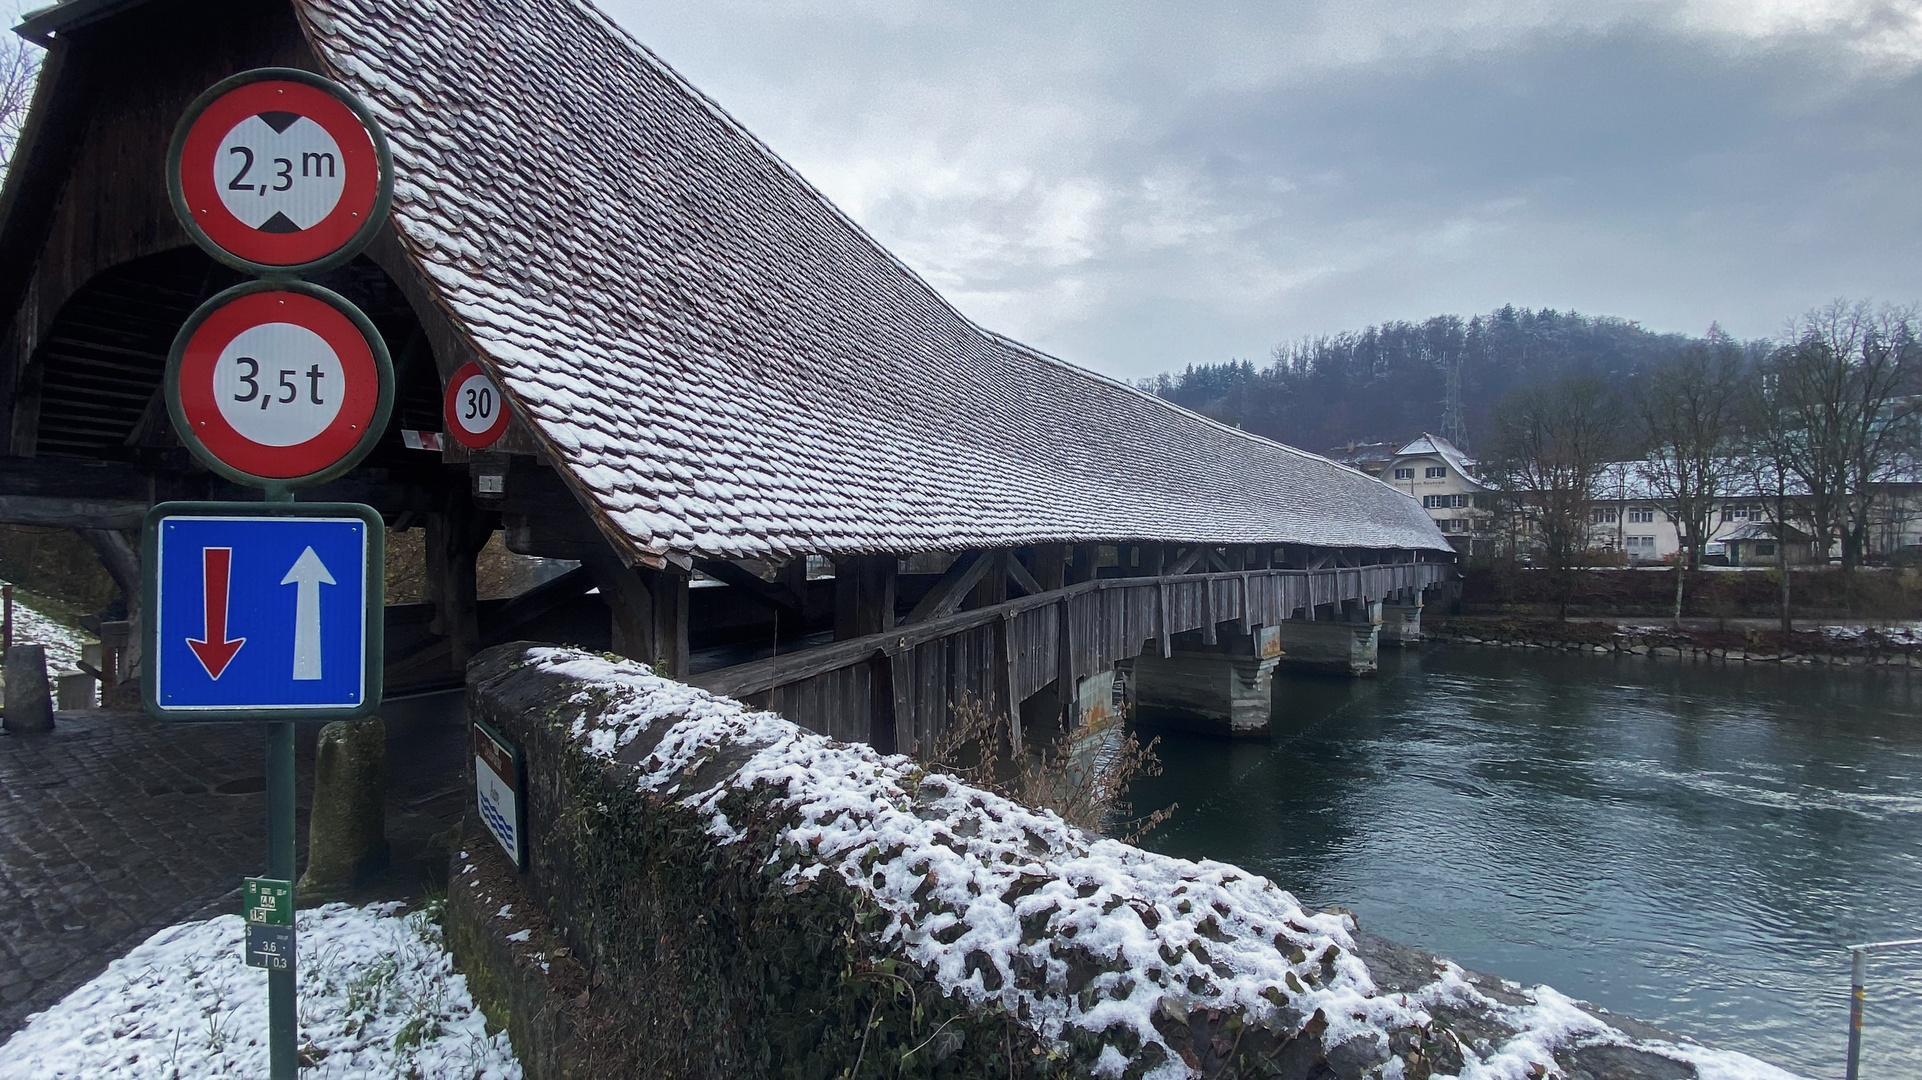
(1450, 488)
(1625, 517)
(1626, 521)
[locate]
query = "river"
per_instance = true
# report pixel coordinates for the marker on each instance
(1686, 843)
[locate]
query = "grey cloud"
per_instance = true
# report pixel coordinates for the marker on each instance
(1145, 191)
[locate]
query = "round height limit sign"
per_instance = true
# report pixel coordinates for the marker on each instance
(279, 383)
(278, 171)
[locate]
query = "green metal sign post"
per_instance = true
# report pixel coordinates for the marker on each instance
(270, 923)
(283, 1018)
(277, 384)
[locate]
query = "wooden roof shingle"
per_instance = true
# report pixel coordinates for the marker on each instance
(726, 365)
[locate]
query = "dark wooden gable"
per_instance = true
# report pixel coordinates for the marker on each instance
(96, 276)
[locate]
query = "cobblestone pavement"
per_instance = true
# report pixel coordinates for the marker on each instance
(115, 826)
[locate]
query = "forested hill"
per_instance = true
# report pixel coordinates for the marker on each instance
(1389, 381)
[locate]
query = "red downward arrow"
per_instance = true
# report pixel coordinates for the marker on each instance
(216, 652)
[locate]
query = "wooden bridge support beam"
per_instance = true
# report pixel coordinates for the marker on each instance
(455, 538)
(1153, 558)
(120, 554)
(1082, 563)
(649, 612)
(1344, 644)
(864, 595)
(1219, 689)
(1049, 564)
(992, 588)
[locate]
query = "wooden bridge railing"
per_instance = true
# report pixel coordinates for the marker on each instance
(897, 689)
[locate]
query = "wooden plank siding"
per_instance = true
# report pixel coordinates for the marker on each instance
(835, 703)
(1001, 655)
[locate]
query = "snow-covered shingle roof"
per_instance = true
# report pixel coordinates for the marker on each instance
(1628, 481)
(723, 363)
(1765, 530)
(1436, 446)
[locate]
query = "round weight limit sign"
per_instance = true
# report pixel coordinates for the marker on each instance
(279, 384)
(279, 171)
(475, 412)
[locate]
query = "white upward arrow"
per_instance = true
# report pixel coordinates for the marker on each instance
(309, 574)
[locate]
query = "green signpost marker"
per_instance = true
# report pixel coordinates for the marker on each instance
(270, 902)
(276, 384)
(270, 923)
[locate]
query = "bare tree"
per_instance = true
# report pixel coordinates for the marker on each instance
(1690, 416)
(1771, 442)
(19, 66)
(1883, 412)
(1552, 443)
(1838, 414)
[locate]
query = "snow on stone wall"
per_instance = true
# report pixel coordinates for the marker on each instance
(1124, 961)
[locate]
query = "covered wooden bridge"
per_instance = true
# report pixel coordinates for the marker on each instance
(788, 470)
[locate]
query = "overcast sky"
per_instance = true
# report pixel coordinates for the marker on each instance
(1139, 186)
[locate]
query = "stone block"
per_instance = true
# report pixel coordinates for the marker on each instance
(74, 691)
(1401, 624)
(347, 834)
(688, 894)
(1334, 646)
(1223, 689)
(29, 701)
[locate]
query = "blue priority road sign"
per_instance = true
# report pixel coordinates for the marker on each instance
(263, 611)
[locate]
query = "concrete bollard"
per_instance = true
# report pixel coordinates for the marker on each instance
(29, 703)
(347, 835)
(73, 691)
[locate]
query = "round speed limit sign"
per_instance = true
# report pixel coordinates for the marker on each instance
(279, 170)
(475, 413)
(279, 384)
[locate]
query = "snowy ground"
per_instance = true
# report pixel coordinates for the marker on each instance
(63, 642)
(1905, 635)
(378, 1000)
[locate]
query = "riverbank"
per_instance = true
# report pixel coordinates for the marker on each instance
(1883, 646)
(1817, 594)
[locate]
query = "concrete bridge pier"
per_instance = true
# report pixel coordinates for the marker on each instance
(1094, 702)
(1342, 639)
(1401, 619)
(1223, 688)
(1085, 715)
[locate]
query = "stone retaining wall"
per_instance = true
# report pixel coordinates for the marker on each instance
(1839, 647)
(744, 899)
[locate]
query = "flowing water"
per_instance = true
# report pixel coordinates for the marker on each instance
(1689, 844)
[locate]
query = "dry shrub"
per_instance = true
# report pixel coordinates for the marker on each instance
(1087, 784)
